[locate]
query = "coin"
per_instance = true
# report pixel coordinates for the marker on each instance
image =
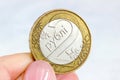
(61, 38)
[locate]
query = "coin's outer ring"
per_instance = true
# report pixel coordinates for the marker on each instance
(60, 14)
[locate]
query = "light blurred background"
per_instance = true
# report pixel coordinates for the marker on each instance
(102, 17)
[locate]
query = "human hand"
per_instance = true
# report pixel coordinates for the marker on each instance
(23, 67)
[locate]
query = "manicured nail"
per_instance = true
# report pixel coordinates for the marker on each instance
(39, 70)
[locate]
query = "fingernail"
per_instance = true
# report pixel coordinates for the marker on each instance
(39, 70)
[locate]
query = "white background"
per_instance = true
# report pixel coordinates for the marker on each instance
(102, 17)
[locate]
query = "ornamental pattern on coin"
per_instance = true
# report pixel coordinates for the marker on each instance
(62, 38)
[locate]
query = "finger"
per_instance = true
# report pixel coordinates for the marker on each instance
(14, 65)
(39, 70)
(68, 76)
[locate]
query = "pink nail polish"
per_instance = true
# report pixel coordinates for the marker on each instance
(39, 70)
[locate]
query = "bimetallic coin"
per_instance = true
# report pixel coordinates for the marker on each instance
(61, 38)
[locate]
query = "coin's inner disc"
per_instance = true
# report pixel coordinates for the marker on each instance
(61, 41)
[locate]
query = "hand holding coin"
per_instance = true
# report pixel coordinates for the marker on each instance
(60, 42)
(22, 67)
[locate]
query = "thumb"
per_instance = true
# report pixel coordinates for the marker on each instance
(39, 70)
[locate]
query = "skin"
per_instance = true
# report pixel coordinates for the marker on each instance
(18, 66)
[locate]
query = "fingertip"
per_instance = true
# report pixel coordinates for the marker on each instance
(67, 76)
(39, 70)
